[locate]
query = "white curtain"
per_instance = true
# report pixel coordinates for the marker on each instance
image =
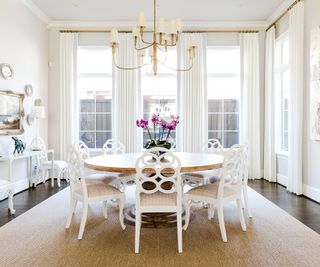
(295, 107)
(193, 131)
(250, 121)
(126, 96)
(68, 92)
(270, 170)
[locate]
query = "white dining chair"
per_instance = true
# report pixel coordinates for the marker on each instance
(158, 188)
(112, 146)
(227, 190)
(87, 193)
(59, 166)
(194, 179)
(7, 190)
(84, 154)
(245, 165)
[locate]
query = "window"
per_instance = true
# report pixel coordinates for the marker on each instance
(160, 93)
(223, 67)
(95, 95)
(282, 84)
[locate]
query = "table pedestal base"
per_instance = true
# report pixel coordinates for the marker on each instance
(154, 220)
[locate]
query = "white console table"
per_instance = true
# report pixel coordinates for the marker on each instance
(28, 155)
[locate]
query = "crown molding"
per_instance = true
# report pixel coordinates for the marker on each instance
(282, 8)
(128, 24)
(36, 10)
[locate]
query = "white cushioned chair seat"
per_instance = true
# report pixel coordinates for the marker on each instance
(158, 199)
(56, 163)
(97, 190)
(100, 177)
(211, 190)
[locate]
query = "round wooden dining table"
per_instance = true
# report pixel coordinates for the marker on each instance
(125, 163)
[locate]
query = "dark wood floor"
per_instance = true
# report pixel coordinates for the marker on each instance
(302, 208)
(28, 199)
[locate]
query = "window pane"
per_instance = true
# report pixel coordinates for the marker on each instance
(216, 135)
(94, 60)
(215, 105)
(103, 122)
(87, 105)
(223, 88)
(88, 138)
(223, 60)
(104, 105)
(231, 105)
(231, 122)
(102, 137)
(230, 139)
(87, 122)
(215, 122)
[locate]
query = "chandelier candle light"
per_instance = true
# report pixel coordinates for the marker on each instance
(165, 34)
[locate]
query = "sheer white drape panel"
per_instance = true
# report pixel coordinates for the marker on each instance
(193, 131)
(68, 92)
(250, 105)
(295, 107)
(126, 96)
(270, 170)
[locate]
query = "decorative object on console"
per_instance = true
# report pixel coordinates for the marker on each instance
(19, 146)
(160, 126)
(37, 112)
(11, 113)
(163, 37)
(6, 71)
(28, 89)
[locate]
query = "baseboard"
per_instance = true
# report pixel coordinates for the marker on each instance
(281, 179)
(311, 192)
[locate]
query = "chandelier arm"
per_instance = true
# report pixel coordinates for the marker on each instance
(128, 68)
(174, 69)
(143, 48)
(145, 42)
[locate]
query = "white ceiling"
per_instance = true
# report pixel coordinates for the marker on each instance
(188, 10)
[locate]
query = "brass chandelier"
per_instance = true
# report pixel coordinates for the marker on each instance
(165, 34)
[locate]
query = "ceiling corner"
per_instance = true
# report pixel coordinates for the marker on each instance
(36, 10)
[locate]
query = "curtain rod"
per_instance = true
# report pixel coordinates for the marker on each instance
(187, 31)
(283, 14)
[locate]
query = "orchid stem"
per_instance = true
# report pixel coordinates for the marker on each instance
(149, 132)
(168, 135)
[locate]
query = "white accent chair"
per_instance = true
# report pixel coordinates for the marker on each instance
(228, 189)
(7, 190)
(161, 172)
(194, 179)
(60, 166)
(89, 192)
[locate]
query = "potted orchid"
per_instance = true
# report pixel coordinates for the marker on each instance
(161, 130)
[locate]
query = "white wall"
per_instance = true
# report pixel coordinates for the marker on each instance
(311, 152)
(311, 155)
(24, 45)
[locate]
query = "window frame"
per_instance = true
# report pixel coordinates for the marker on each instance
(110, 75)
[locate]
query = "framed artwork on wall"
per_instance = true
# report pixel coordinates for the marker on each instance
(11, 113)
(315, 84)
